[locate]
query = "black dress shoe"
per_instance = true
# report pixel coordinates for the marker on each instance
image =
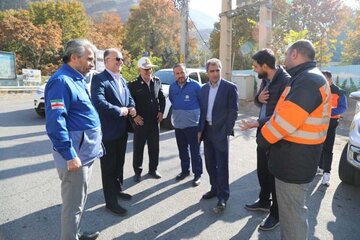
(116, 209)
(269, 224)
(182, 175)
(220, 206)
(124, 196)
(89, 236)
(155, 175)
(137, 178)
(259, 206)
(196, 181)
(209, 195)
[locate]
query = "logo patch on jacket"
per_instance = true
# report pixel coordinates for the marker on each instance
(57, 104)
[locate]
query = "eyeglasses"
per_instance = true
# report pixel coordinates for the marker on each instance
(118, 59)
(147, 70)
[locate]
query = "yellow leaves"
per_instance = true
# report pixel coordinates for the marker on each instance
(107, 31)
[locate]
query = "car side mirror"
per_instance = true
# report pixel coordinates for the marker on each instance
(355, 95)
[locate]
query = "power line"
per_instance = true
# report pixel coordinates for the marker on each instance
(197, 30)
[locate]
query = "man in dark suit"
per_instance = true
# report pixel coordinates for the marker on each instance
(218, 113)
(113, 101)
(150, 104)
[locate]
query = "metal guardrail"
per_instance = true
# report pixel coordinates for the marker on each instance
(18, 88)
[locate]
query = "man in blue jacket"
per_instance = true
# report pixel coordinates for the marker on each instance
(184, 95)
(73, 127)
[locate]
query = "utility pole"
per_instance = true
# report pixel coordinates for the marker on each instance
(183, 7)
(265, 24)
(225, 39)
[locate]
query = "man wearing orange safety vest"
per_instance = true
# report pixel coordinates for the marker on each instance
(338, 106)
(294, 136)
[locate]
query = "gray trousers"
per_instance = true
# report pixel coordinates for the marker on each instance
(292, 210)
(74, 188)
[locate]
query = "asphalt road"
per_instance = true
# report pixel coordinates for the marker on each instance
(160, 209)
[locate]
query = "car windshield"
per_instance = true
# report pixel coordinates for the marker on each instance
(166, 77)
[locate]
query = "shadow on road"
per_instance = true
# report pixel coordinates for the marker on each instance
(189, 228)
(346, 201)
(36, 225)
(26, 117)
(25, 150)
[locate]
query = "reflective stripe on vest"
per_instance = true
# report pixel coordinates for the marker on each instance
(312, 131)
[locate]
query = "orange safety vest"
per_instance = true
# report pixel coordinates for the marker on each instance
(292, 123)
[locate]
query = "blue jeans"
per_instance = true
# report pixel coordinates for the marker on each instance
(186, 138)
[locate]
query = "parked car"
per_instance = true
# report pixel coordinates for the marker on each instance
(349, 166)
(39, 99)
(167, 78)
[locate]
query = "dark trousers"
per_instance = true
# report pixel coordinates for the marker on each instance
(186, 138)
(266, 181)
(149, 135)
(112, 168)
(217, 164)
(327, 152)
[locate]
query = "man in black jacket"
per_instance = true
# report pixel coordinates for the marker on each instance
(274, 79)
(294, 136)
(150, 104)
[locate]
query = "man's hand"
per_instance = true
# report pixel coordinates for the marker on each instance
(74, 164)
(138, 120)
(199, 137)
(159, 117)
(124, 111)
(247, 124)
(263, 96)
(132, 111)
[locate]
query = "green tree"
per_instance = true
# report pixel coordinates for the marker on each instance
(324, 20)
(244, 39)
(154, 26)
(69, 15)
(351, 53)
(36, 46)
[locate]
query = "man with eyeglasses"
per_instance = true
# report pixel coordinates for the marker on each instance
(150, 104)
(218, 113)
(113, 101)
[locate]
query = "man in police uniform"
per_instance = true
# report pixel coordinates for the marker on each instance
(150, 104)
(73, 127)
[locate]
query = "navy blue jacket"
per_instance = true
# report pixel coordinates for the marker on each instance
(106, 99)
(275, 88)
(224, 112)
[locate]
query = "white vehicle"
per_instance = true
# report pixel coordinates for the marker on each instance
(167, 78)
(39, 102)
(39, 99)
(349, 166)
